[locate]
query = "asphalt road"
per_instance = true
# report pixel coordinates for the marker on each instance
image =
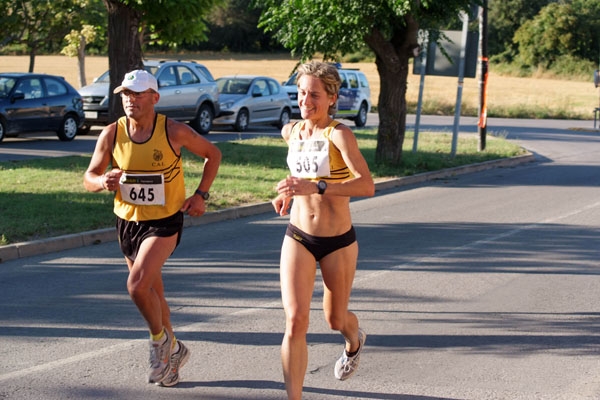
(478, 286)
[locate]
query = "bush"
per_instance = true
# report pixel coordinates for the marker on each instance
(573, 68)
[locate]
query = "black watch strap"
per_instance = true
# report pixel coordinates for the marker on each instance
(321, 187)
(204, 195)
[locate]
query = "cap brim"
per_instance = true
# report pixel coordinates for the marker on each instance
(133, 88)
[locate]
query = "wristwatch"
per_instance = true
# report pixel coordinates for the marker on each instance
(204, 195)
(321, 185)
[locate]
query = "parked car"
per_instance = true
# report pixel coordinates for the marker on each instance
(39, 102)
(354, 97)
(251, 99)
(188, 92)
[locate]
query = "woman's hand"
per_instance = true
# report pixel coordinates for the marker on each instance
(282, 204)
(292, 186)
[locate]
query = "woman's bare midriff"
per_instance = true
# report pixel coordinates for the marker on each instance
(321, 215)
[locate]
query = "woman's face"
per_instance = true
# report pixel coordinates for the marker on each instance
(313, 100)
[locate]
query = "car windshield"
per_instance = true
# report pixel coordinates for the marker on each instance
(233, 86)
(6, 85)
(292, 80)
(104, 78)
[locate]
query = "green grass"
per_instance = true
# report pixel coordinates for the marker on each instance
(45, 197)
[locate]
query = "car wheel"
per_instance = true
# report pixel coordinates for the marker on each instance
(84, 129)
(361, 118)
(284, 119)
(2, 129)
(242, 120)
(68, 129)
(203, 122)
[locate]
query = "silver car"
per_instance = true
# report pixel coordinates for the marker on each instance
(251, 99)
(188, 92)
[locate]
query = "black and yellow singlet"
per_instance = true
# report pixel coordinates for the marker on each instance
(316, 159)
(152, 183)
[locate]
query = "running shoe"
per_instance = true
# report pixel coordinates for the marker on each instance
(178, 360)
(160, 356)
(346, 366)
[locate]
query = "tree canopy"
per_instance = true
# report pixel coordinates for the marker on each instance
(505, 17)
(557, 31)
(36, 24)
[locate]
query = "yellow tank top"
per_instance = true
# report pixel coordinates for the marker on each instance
(155, 157)
(338, 170)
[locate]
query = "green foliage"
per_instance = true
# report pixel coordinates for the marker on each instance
(504, 18)
(547, 36)
(560, 29)
(232, 30)
(572, 67)
(173, 22)
(40, 26)
(309, 27)
(75, 39)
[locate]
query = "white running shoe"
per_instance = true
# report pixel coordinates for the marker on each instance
(178, 360)
(346, 366)
(160, 356)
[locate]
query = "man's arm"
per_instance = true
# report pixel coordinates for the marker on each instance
(182, 135)
(95, 179)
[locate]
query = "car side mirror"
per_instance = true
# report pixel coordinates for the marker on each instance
(17, 96)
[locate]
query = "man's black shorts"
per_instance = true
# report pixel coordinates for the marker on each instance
(132, 233)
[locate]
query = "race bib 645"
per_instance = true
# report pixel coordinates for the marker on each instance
(143, 189)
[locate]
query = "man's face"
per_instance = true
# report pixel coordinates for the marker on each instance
(137, 104)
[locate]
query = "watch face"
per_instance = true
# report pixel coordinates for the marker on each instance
(322, 185)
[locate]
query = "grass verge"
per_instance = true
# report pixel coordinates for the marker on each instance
(45, 197)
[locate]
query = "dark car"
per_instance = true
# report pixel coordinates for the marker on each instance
(187, 89)
(32, 102)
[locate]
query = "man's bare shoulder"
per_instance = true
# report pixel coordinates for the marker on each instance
(108, 132)
(178, 128)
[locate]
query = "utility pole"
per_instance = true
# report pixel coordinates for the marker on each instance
(483, 74)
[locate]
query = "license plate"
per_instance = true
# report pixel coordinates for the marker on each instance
(91, 114)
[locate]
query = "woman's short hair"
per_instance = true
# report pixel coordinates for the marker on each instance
(327, 73)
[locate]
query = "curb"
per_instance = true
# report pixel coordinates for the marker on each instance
(76, 240)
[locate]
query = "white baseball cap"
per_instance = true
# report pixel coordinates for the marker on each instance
(138, 80)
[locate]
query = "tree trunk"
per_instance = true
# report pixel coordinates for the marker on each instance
(81, 61)
(124, 49)
(31, 59)
(392, 57)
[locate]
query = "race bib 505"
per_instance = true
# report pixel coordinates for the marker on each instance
(309, 158)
